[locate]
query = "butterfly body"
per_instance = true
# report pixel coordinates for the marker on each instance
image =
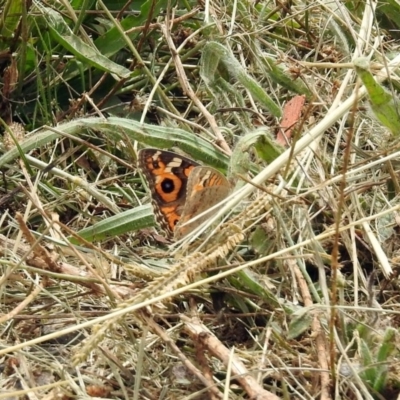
(181, 189)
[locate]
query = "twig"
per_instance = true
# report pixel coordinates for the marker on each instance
(191, 94)
(199, 332)
(175, 21)
(318, 334)
(209, 384)
(21, 305)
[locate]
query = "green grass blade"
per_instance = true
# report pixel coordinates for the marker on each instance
(127, 221)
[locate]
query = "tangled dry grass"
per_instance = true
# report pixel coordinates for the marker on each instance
(289, 291)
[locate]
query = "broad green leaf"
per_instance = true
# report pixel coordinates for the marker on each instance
(264, 144)
(78, 4)
(369, 373)
(84, 52)
(388, 345)
(240, 158)
(10, 18)
(300, 322)
(160, 137)
(383, 104)
(215, 53)
(386, 349)
(388, 16)
(261, 242)
(112, 41)
(120, 129)
(31, 142)
(247, 279)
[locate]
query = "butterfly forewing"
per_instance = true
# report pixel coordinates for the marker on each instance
(167, 175)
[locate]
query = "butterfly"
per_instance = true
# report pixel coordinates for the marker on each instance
(181, 189)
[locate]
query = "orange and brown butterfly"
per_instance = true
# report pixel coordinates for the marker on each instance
(181, 189)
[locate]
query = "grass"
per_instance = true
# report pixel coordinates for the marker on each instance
(289, 291)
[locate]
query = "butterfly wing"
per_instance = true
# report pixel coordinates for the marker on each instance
(206, 187)
(167, 175)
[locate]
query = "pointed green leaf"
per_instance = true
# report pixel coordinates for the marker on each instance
(369, 373)
(263, 142)
(10, 18)
(300, 322)
(284, 79)
(388, 16)
(388, 345)
(121, 128)
(84, 52)
(213, 54)
(383, 104)
(112, 41)
(261, 242)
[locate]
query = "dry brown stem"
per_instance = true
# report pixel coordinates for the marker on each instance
(208, 383)
(184, 81)
(318, 333)
(199, 332)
